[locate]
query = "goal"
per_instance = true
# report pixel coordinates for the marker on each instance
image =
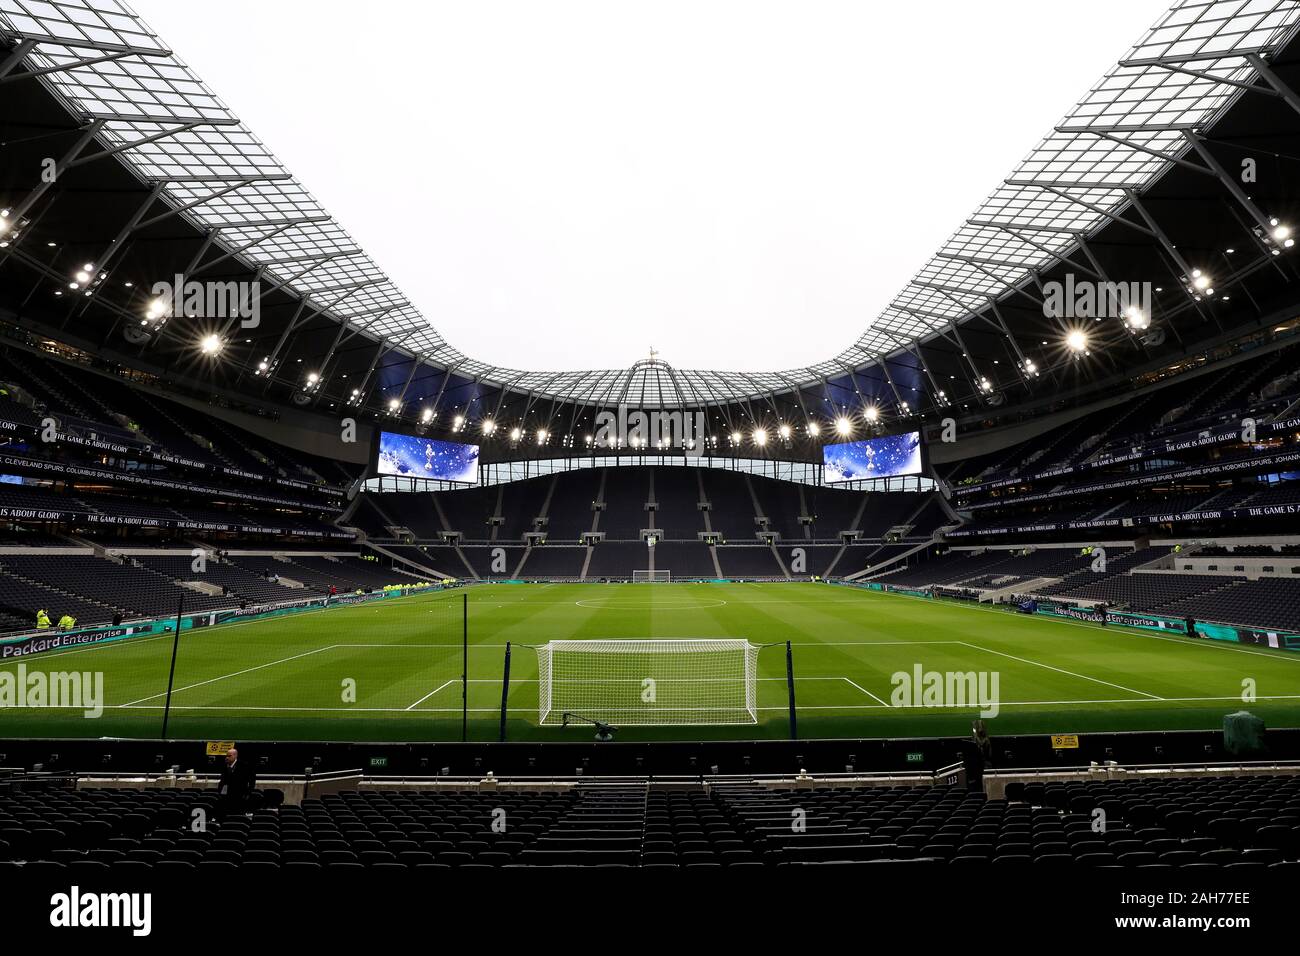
(641, 683)
(651, 577)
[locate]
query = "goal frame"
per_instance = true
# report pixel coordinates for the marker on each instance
(552, 708)
(656, 576)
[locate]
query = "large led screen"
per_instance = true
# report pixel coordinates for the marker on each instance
(888, 457)
(414, 457)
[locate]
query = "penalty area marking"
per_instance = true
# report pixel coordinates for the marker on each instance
(652, 606)
(445, 685)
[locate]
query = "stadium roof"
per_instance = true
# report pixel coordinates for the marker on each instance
(1080, 186)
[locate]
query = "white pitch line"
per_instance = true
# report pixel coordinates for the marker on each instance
(430, 694)
(867, 643)
(782, 708)
(1062, 670)
(246, 670)
(864, 690)
(455, 644)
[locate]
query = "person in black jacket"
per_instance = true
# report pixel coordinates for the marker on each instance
(235, 789)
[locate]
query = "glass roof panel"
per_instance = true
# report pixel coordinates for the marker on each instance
(146, 91)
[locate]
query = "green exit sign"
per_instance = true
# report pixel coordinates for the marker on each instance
(376, 762)
(916, 758)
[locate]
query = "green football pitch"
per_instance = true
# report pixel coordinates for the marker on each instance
(391, 670)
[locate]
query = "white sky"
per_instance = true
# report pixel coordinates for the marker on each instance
(562, 185)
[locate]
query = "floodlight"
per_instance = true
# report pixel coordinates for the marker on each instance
(1077, 340)
(1135, 318)
(843, 425)
(211, 344)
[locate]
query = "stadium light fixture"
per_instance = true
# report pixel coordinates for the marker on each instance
(211, 344)
(737, 438)
(393, 405)
(516, 433)
(1135, 319)
(426, 415)
(156, 309)
(843, 426)
(1077, 340)
(784, 432)
(872, 413)
(458, 423)
(488, 426)
(760, 437)
(542, 436)
(814, 429)
(1200, 283)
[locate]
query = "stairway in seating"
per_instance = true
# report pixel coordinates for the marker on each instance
(40, 385)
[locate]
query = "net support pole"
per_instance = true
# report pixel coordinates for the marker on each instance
(464, 666)
(505, 693)
(789, 684)
(171, 675)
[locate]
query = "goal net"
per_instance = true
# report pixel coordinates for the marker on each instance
(686, 681)
(651, 577)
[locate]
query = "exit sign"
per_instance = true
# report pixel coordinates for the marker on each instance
(378, 762)
(916, 758)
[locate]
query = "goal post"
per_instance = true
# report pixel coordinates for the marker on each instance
(643, 683)
(651, 577)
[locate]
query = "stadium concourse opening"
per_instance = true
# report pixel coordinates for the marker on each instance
(1014, 578)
